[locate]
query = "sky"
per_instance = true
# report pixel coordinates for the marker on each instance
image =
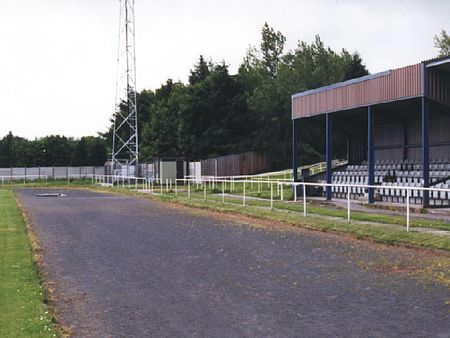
(58, 57)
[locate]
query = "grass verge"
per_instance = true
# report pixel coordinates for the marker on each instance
(381, 233)
(23, 309)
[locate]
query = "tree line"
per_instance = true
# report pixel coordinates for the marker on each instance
(54, 150)
(217, 113)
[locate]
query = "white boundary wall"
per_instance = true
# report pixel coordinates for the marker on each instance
(54, 172)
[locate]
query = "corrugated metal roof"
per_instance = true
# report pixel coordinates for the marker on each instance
(392, 85)
(438, 59)
(341, 84)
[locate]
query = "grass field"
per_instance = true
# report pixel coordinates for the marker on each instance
(23, 312)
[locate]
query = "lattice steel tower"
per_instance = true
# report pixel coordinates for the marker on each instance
(125, 147)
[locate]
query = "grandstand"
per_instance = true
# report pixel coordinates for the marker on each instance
(397, 128)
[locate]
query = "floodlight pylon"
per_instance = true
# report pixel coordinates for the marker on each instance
(125, 147)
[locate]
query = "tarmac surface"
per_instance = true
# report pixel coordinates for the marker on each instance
(124, 266)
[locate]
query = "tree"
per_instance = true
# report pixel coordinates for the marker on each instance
(97, 152)
(272, 46)
(442, 42)
(200, 71)
(354, 66)
(80, 154)
(6, 151)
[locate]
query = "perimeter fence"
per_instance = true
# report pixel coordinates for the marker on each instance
(56, 173)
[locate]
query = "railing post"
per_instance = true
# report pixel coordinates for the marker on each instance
(204, 192)
(189, 190)
(348, 203)
(176, 188)
(304, 200)
(243, 199)
(295, 192)
(407, 209)
(271, 196)
(223, 192)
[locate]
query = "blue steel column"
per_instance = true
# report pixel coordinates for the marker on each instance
(425, 149)
(370, 152)
(294, 151)
(329, 172)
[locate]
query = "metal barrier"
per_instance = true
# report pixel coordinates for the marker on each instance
(303, 185)
(157, 187)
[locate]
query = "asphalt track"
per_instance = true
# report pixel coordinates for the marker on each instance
(123, 266)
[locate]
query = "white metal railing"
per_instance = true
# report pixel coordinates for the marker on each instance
(304, 185)
(23, 178)
(160, 186)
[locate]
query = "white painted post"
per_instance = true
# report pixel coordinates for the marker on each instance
(223, 192)
(282, 192)
(161, 185)
(189, 190)
(348, 204)
(176, 188)
(243, 199)
(167, 185)
(271, 196)
(304, 200)
(204, 192)
(407, 209)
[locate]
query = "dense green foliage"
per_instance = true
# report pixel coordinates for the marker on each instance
(442, 43)
(52, 150)
(217, 113)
